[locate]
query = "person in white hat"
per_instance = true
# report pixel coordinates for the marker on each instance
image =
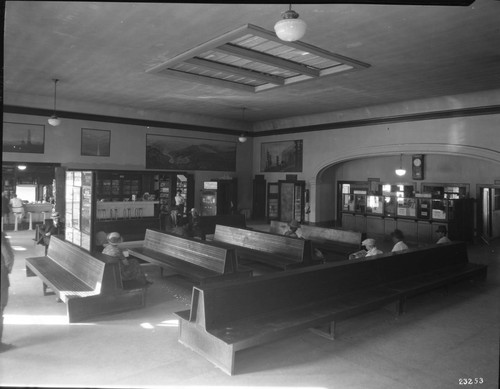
(130, 268)
(371, 248)
(52, 226)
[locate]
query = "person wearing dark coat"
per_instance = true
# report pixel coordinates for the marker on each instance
(51, 227)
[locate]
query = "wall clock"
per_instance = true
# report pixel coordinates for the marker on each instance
(417, 167)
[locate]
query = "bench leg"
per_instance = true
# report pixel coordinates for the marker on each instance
(207, 345)
(45, 287)
(327, 331)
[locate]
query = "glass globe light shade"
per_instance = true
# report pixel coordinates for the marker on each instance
(290, 28)
(242, 138)
(54, 121)
(400, 172)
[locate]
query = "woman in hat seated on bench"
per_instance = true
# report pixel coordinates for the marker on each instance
(51, 227)
(370, 248)
(129, 267)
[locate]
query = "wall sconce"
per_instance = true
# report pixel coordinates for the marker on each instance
(290, 28)
(401, 172)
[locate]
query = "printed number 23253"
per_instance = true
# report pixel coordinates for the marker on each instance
(470, 381)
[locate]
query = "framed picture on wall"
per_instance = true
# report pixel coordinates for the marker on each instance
(180, 153)
(96, 143)
(284, 156)
(23, 138)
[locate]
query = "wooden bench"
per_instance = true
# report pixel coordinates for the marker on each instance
(279, 251)
(198, 260)
(336, 244)
(90, 285)
(224, 319)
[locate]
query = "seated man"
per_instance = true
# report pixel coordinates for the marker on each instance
(398, 240)
(50, 227)
(441, 234)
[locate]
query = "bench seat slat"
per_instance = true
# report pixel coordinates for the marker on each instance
(59, 278)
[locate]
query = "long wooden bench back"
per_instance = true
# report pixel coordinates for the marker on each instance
(77, 261)
(319, 233)
(297, 250)
(413, 262)
(216, 305)
(204, 254)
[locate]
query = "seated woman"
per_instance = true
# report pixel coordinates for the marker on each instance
(130, 268)
(371, 247)
(51, 227)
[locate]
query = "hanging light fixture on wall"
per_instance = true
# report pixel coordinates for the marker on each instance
(290, 28)
(401, 172)
(54, 120)
(243, 138)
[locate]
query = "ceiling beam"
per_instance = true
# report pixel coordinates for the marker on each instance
(267, 59)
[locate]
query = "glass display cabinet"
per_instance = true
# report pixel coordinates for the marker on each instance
(374, 205)
(388, 206)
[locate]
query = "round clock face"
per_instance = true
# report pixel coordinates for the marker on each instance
(417, 162)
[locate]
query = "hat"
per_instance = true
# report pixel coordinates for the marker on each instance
(368, 242)
(294, 223)
(55, 214)
(398, 234)
(114, 238)
(442, 229)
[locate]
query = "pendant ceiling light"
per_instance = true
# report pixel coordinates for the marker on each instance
(54, 120)
(401, 172)
(243, 138)
(290, 28)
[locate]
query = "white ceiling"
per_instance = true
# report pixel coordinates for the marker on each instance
(100, 52)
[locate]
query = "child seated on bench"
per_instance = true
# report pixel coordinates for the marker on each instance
(129, 267)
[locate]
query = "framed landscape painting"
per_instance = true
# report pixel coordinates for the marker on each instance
(23, 138)
(96, 143)
(179, 153)
(285, 156)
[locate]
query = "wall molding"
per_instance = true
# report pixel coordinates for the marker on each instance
(441, 114)
(117, 120)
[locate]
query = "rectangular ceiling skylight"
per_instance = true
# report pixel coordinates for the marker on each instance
(253, 59)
